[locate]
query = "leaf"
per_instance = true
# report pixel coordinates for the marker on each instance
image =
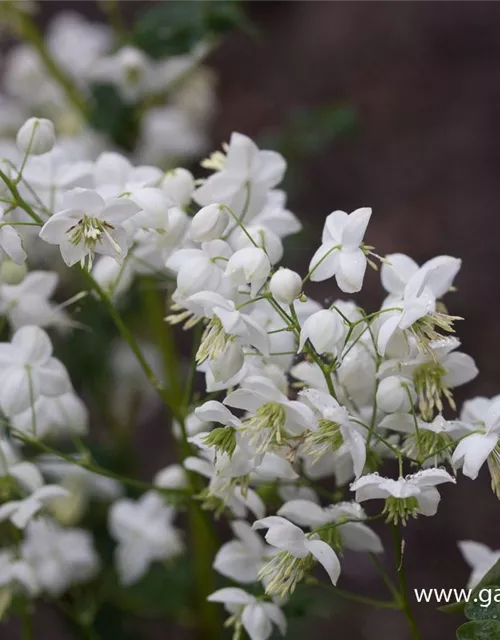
(491, 578)
(111, 115)
(177, 26)
(485, 605)
(479, 630)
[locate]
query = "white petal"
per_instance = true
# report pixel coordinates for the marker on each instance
(256, 623)
(355, 227)
(11, 243)
(396, 273)
(474, 450)
(475, 553)
(304, 513)
(231, 595)
(33, 343)
(326, 556)
(461, 369)
(324, 263)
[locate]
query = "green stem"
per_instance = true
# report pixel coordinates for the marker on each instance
(131, 482)
(26, 623)
(19, 200)
(354, 597)
(403, 594)
(202, 536)
(126, 334)
(28, 31)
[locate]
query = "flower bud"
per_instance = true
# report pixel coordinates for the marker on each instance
(36, 136)
(228, 363)
(209, 223)
(324, 329)
(259, 236)
(286, 285)
(178, 184)
(393, 396)
(12, 273)
(172, 477)
(249, 266)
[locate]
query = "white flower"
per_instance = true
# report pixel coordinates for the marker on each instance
(60, 558)
(404, 497)
(249, 266)
(56, 416)
(52, 174)
(398, 269)
(129, 69)
(483, 444)
(325, 329)
(200, 269)
(10, 241)
(290, 539)
(115, 176)
(26, 474)
(256, 617)
(27, 370)
(178, 184)
(115, 278)
(65, 33)
(242, 559)
(87, 225)
(172, 477)
(28, 302)
(394, 394)
(434, 372)
(20, 512)
(353, 533)
(209, 223)
(340, 254)
(272, 416)
(285, 285)
(258, 236)
(335, 428)
(480, 558)
(144, 532)
(431, 441)
(226, 321)
(16, 574)
(36, 136)
(244, 179)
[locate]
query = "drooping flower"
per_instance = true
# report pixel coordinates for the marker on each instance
(404, 497)
(296, 556)
(340, 254)
(144, 532)
(88, 225)
(480, 559)
(255, 616)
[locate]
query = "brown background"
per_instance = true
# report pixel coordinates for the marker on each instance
(424, 78)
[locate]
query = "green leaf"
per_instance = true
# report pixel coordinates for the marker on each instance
(491, 578)
(485, 605)
(479, 630)
(177, 26)
(110, 115)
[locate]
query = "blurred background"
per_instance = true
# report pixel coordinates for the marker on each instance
(393, 105)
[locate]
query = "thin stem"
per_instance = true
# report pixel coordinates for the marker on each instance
(393, 590)
(354, 597)
(26, 623)
(19, 200)
(126, 334)
(403, 594)
(131, 482)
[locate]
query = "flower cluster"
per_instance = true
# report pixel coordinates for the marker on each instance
(295, 391)
(175, 94)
